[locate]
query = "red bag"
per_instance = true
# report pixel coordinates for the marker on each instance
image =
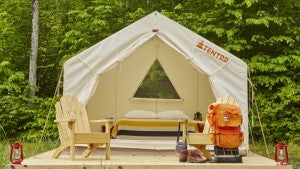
(225, 120)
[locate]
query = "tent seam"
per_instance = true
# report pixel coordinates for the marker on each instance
(219, 68)
(87, 65)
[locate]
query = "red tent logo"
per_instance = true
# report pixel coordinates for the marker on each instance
(211, 52)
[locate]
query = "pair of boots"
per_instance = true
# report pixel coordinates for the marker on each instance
(191, 156)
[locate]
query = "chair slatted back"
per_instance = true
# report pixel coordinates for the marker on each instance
(224, 99)
(68, 108)
(227, 99)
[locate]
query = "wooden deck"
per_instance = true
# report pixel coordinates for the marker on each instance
(128, 158)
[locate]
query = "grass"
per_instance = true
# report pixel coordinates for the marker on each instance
(293, 152)
(29, 150)
(259, 148)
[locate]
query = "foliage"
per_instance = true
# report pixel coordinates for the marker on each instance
(41, 124)
(275, 71)
(87, 24)
(13, 84)
(22, 116)
(266, 36)
(156, 84)
(264, 33)
(15, 25)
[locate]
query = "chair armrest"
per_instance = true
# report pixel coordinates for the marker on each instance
(65, 120)
(110, 120)
(196, 122)
(108, 123)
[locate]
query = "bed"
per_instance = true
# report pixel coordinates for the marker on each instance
(146, 125)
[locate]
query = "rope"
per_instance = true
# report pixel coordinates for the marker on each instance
(5, 135)
(250, 102)
(56, 93)
(262, 129)
(250, 89)
(251, 133)
(259, 119)
(219, 68)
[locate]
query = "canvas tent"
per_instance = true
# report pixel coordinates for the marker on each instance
(106, 76)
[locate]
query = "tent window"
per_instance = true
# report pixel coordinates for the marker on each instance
(156, 84)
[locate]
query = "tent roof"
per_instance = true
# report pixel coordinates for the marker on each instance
(227, 73)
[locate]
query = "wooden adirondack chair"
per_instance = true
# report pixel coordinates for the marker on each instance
(74, 128)
(200, 140)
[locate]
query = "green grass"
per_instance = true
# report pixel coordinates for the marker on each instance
(293, 151)
(259, 148)
(29, 150)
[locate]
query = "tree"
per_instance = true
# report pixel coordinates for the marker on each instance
(34, 46)
(15, 28)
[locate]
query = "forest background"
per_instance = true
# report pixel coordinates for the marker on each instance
(263, 33)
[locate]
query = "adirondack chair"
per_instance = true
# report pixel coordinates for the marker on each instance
(74, 128)
(201, 140)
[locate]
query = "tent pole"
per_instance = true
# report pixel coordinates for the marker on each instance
(197, 95)
(116, 90)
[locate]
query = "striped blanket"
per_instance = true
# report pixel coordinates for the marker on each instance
(148, 129)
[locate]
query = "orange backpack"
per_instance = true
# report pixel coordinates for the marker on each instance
(225, 120)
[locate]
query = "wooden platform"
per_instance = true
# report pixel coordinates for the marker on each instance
(125, 158)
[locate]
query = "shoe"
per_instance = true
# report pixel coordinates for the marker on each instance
(194, 157)
(183, 156)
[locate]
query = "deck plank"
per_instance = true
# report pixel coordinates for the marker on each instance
(125, 158)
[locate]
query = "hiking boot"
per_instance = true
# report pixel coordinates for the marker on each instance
(183, 155)
(195, 157)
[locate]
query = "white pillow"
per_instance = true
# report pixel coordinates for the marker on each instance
(140, 114)
(172, 114)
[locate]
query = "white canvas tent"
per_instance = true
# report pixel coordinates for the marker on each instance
(106, 76)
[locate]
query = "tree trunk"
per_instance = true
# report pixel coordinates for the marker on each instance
(34, 47)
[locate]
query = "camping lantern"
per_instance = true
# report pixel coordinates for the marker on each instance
(16, 153)
(281, 154)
